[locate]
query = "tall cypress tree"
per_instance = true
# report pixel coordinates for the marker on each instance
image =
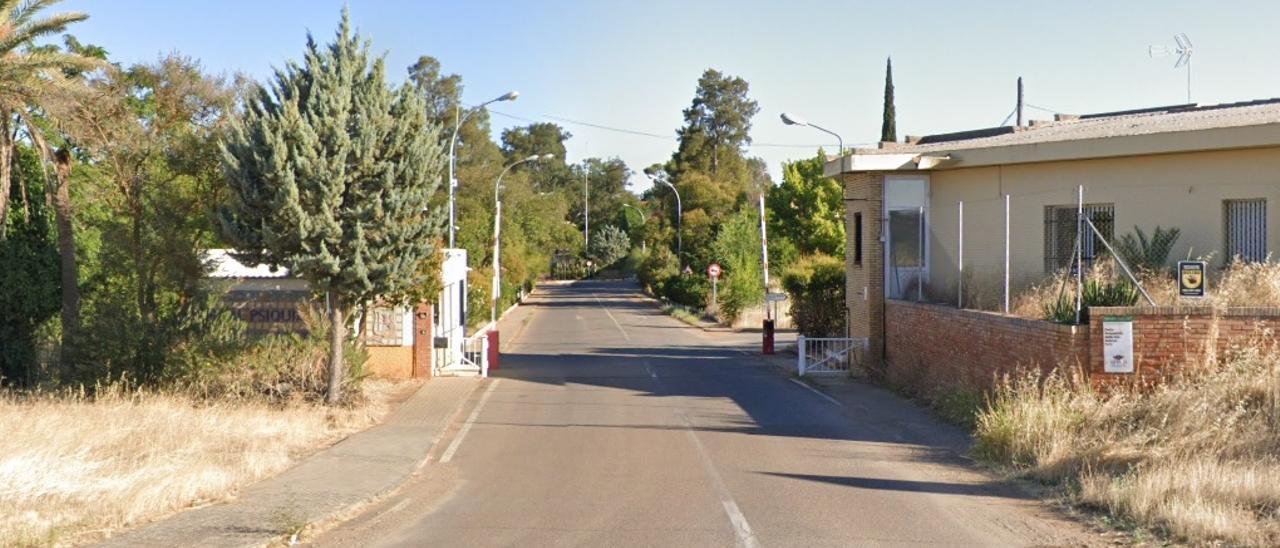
(888, 129)
(331, 173)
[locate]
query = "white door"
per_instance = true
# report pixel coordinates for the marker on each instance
(906, 223)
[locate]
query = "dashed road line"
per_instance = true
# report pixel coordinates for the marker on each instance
(615, 320)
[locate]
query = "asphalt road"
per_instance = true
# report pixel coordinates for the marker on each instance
(610, 424)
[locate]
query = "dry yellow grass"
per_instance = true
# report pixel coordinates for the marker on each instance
(1240, 284)
(72, 467)
(1197, 459)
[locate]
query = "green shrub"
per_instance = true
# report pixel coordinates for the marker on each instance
(689, 290)
(223, 362)
(1097, 292)
(816, 287)
(655, 267)
(608, 246)
(737, 248)
(1145, 254)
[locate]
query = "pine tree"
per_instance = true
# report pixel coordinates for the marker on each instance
(330, 174)
(889, 129)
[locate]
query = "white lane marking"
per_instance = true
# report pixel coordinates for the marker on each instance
(818, 392)
(398, 507)
(466, 427)
(649, 367)
(615, 320)
(741, 528)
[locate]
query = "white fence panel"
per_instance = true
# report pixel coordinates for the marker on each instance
(829, 355)
(475, 353)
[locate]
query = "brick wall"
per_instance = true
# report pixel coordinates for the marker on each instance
(929, 345)
(1165, 338)
(864, 281)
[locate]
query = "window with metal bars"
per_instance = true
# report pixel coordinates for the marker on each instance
(1245, 229)
(1060, 234)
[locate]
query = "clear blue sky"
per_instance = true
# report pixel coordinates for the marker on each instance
(634, 64)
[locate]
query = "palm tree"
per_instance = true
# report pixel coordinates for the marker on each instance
(28, 74)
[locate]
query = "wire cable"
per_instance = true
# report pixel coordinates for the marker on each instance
(639, 133)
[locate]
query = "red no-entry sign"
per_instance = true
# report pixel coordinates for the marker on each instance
(713, 270)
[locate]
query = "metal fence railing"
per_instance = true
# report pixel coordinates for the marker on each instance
(829, 355)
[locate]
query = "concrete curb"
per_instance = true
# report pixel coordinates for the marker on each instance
(327, 485)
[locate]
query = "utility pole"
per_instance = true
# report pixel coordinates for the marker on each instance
(1019, 101)
(586, 209)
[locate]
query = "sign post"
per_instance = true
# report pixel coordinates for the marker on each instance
(713, 271)
(1192, 279)
(1117, 344)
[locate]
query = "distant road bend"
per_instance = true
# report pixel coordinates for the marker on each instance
(611, 424)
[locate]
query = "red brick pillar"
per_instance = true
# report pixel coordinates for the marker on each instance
(422, 341)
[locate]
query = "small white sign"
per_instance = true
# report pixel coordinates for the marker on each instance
(775, 297)
(1117, 344)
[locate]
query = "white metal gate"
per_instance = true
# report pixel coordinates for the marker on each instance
(829, 355)
(475, 353)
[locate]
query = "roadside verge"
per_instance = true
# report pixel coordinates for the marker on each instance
(329, 484)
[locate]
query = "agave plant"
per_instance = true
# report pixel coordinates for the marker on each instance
(1147, 254)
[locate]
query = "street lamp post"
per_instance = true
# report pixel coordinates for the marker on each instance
(679, 218)
(497, 231)
(586, 207)
(792, 120)
(453, 159)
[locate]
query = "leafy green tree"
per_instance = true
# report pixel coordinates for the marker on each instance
(606, 180)
(710, 167)
(717, 123)
(609, 245)
(331, 172)
(889, 127)
(28, 281)
(49, 124)
(539, 138)
(737, 249)
(1148, 253)
(28, 74)
(807, 209)
(148, 177)
(441, 91)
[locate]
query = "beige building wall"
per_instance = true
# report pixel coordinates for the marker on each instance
(1183, 190)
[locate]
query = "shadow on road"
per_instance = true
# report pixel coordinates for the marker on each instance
(692, 370)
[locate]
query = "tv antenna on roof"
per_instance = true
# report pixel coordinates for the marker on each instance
(1183, 50)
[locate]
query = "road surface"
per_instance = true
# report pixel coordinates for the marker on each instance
(610, 424)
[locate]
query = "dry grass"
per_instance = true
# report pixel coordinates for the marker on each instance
(1241, 284)
(74, 467)
(1197, 459)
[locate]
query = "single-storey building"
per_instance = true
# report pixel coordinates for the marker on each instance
(402, 342)
(926, 219)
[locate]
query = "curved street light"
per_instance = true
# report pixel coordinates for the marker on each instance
(792, 120)
(453, 159)
(497, 226)
(679, 218)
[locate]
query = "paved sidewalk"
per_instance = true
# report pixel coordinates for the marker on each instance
(898, 418)
(362, 467)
